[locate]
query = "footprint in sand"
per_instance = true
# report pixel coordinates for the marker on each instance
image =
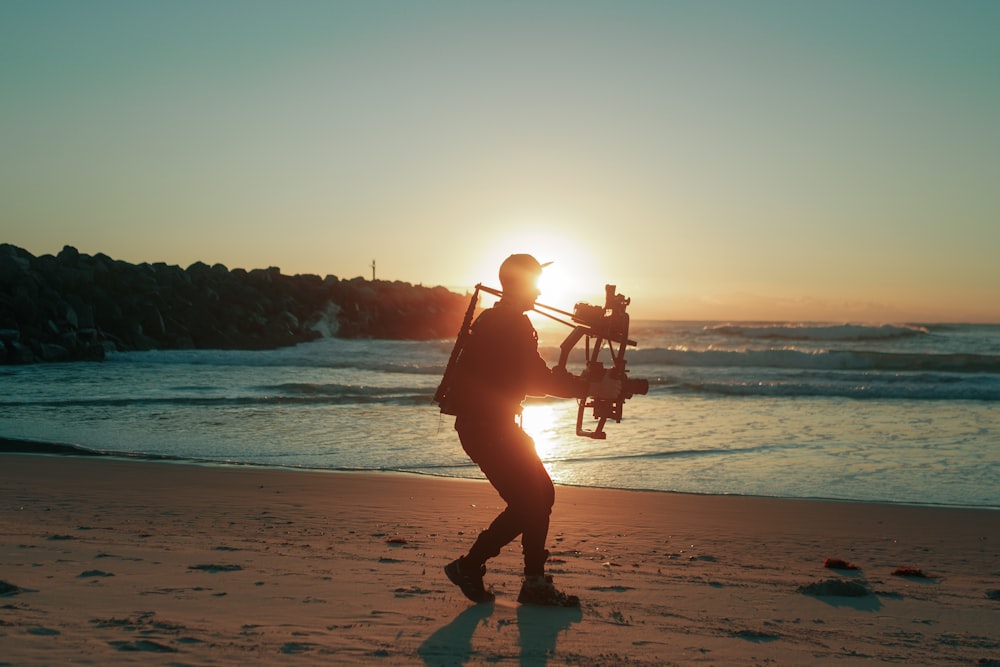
(836, 588)
(292, 648)
(7, 588)
(216, 568)
(89, 574)
(611, 589)
(144, 645)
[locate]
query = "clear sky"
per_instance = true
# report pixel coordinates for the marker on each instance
(801, 159)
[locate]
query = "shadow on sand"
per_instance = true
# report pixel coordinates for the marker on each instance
(538, 628)
(844, 593)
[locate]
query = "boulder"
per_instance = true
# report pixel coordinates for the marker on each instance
(75, 306)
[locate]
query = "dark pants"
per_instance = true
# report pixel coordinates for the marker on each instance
(507, 457)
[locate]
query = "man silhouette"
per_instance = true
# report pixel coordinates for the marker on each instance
(498, 367)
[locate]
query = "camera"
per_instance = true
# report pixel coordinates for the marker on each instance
(599, 326)
(609, 322)
(633, 386)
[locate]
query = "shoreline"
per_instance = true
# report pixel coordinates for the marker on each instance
(27, 447)
(111, 560)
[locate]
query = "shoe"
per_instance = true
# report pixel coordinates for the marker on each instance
(470, 579)
(539, 590)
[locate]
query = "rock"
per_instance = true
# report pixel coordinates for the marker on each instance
(68, 256)
(75, 306)
(53, 352)
(18, 353)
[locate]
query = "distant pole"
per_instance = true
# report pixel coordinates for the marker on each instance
(373, 270)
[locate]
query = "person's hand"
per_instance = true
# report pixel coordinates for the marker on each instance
(607, 388)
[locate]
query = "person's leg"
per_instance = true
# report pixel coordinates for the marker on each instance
(512, 466)
(530, 496)
(539, 496)
(485, 447)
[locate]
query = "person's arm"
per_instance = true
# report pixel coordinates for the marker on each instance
(563, 384)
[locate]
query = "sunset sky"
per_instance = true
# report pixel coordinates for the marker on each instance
(762, 160)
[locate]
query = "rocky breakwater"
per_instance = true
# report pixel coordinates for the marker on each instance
(74, 306)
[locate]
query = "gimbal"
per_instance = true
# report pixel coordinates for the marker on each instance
(596, 326)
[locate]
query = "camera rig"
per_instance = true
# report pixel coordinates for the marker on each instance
(595, 325)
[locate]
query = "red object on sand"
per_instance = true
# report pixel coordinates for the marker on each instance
(839, 564)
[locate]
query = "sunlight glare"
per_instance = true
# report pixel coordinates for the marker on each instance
(548, 423)
(575, 274)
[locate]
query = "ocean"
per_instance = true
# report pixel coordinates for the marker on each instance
(897, 413)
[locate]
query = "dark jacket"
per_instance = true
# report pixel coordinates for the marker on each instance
(499, 366)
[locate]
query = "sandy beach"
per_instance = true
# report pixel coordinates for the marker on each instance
(115, 561)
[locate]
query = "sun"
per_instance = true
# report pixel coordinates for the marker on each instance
(560, 286)
(574, 275)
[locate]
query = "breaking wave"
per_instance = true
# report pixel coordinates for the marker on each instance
(820, 360)
(820, 332)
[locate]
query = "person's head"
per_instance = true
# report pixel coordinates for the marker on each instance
(519, 276)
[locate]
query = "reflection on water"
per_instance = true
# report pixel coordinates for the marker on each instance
(910, 419)
(546, 424)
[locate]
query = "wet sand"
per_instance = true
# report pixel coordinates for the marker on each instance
(112, 561)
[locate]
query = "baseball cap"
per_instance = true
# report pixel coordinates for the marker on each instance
(520, 269)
